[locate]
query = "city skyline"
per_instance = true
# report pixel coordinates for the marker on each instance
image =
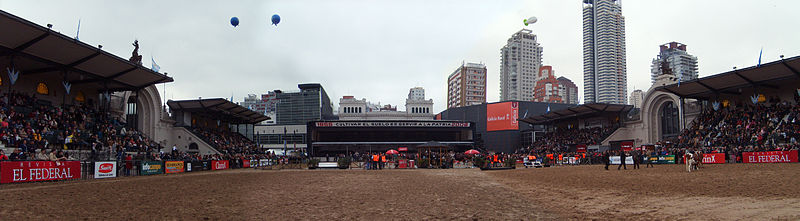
(208, 58)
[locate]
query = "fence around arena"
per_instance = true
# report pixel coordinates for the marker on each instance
(37, 171)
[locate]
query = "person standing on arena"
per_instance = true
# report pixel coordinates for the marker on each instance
(636, 159)
(650, 155)
(622, 160)
(605, 159)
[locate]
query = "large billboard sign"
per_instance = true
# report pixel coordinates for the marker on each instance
(770, 157)
(502, 116)
(31, 171)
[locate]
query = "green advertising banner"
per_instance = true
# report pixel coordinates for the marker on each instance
(662, 159)
(151, 167)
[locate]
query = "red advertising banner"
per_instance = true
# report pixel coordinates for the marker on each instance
(219, 165)
(402, 149)
(713, 158)
(32, 171)
(581, 148)
(502, 116)
(245, 163)
(770, 157)
(626, 145)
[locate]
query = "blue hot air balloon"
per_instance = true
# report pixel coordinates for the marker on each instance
(276, 19)
(235, 21)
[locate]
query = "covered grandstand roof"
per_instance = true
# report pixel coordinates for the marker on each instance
(37, 50)
(768, 75)
(218, 107)
(576, 111)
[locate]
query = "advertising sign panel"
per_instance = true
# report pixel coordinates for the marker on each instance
(219, 165)
(174, 166)
(714, 158)
(770, 157)
(151, 167)
(662, 159)
(581, 148)
(402, 149)
(502, 116)
(32, 171)
(615, 160)
(105, 169)
(626, 145)
(253, 163)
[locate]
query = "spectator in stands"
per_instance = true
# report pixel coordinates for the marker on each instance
(42, 155)
(3, 156)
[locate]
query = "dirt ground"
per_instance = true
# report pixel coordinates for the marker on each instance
(752, 191)
(666, 192)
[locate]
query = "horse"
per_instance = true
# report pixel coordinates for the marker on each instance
(698, 159)
(691, 163)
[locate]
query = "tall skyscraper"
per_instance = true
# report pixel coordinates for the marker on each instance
(520, 60)
(682, 64)
(466, 85)
(604, 74)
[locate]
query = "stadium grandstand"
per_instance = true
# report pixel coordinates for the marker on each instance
(223, 126)
(63, 94)
(743, 110)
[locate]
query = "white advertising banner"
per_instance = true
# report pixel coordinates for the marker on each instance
(615, 160)
(105, 169)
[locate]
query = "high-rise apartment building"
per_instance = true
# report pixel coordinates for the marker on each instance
(637, 96)
(682, 64)
(520, 60)
(604, 73)
(547, 88)
(568, 90)
(466, 85)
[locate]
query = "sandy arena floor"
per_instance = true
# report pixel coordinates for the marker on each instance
(753, 191)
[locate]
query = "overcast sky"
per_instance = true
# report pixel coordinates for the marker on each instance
(379, 49)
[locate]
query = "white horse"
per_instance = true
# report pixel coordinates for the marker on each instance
(691, 164)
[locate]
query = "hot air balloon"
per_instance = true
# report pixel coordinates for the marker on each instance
(530, 20)
(276, 19)
(235, 21)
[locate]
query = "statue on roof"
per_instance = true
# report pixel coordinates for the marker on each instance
(135, 57)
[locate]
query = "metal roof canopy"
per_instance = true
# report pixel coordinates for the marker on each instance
(220, 108)
(576, 111)
(770, 75)
(37, 50)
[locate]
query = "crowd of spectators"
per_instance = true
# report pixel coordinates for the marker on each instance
(33, 127)
(767, 126)
(227, 142)
(559, 140)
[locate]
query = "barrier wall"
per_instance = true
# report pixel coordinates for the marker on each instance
(32, 171)
(220, 164)
(662, 159)
(770, 157)
(151, 168)
(713, 158)
(105, 169)
(174, 166)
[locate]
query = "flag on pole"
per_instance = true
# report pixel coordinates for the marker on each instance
(548, 108)
(79, 31)
(759, 57)
(155, 66)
